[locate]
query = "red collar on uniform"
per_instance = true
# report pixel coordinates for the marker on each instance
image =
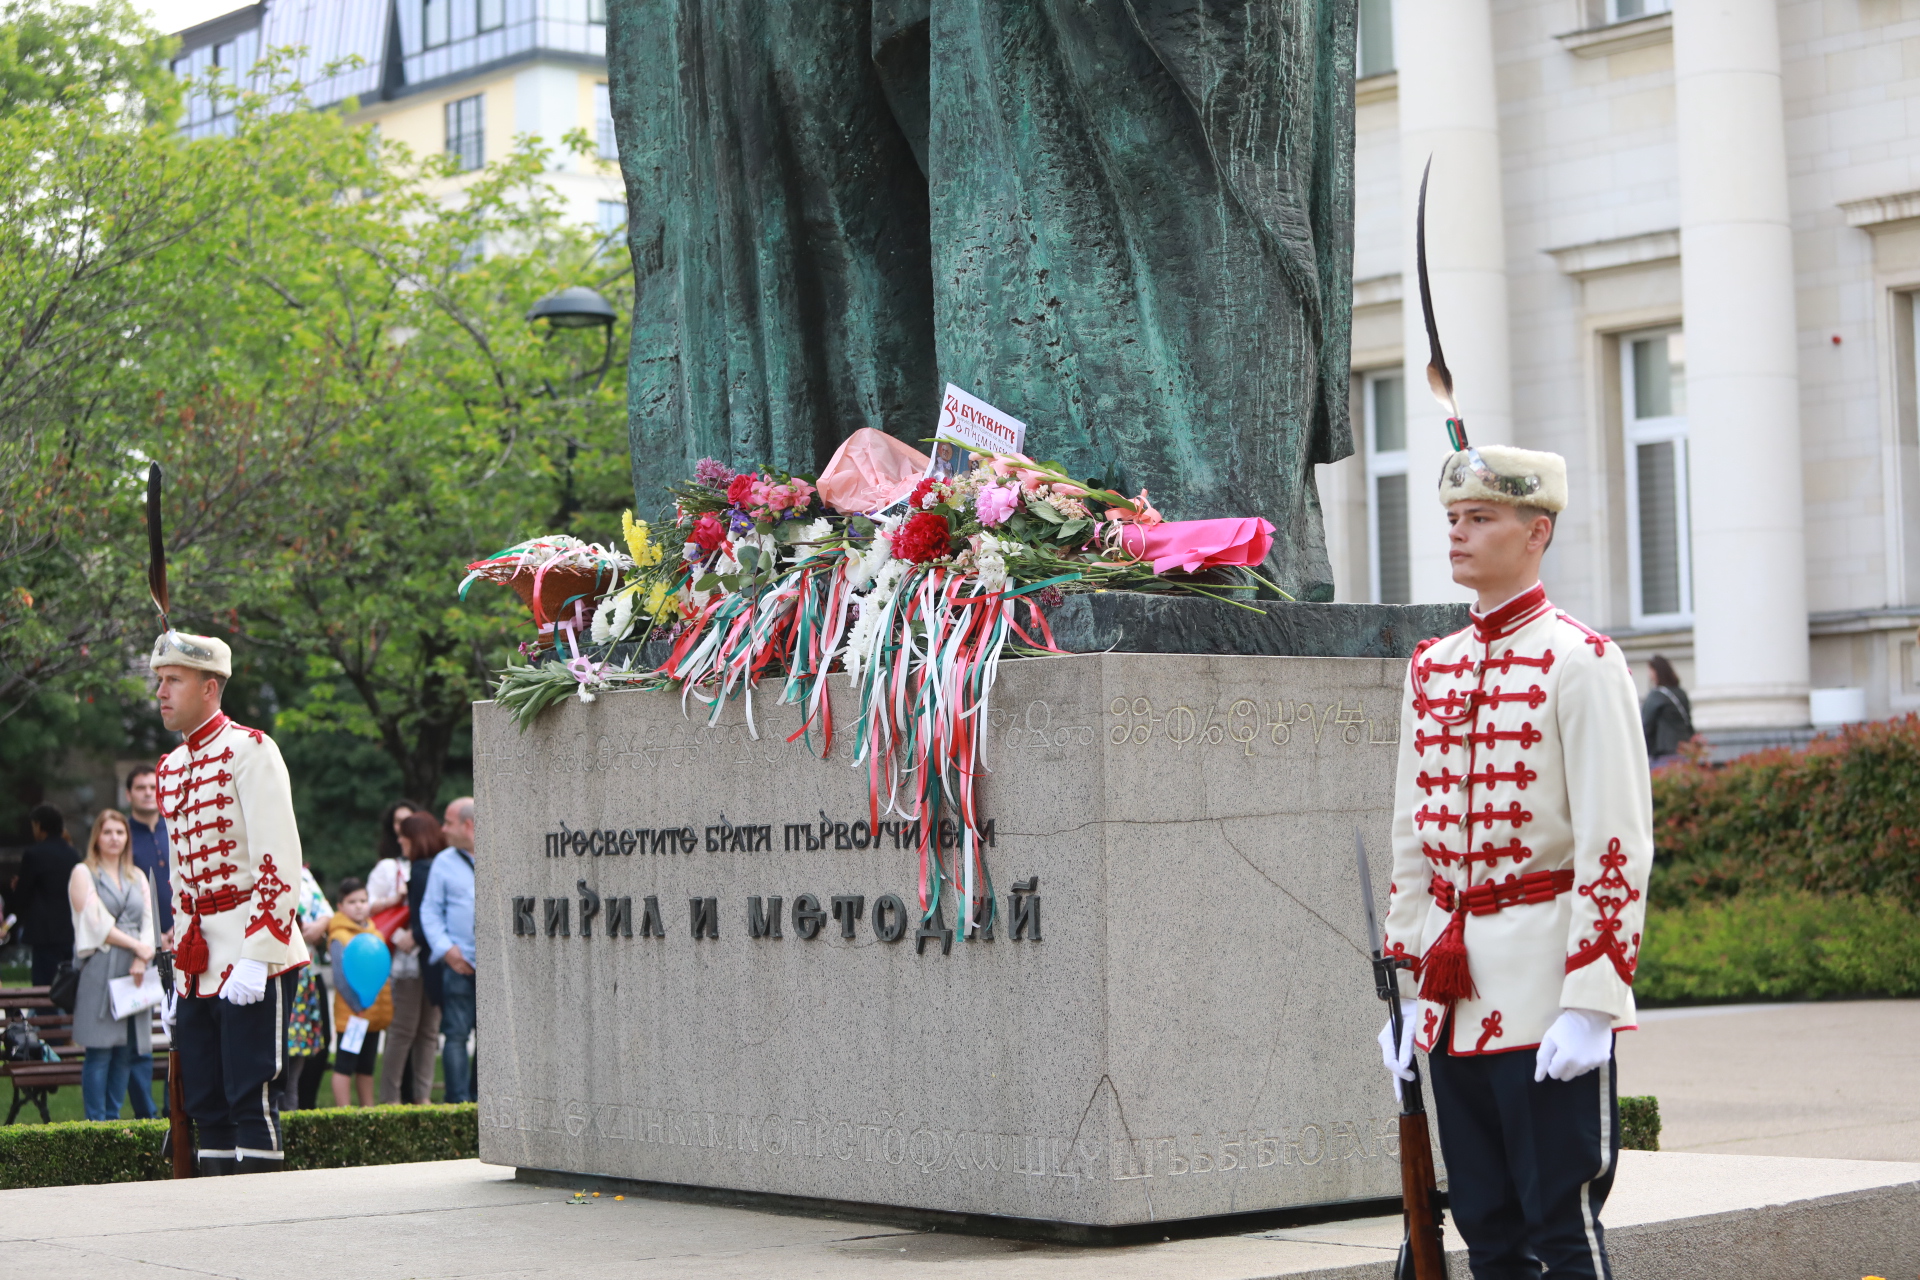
(1512, 615)
(206, 733)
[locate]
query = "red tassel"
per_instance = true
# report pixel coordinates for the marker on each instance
(1445, 974)
(190, 956)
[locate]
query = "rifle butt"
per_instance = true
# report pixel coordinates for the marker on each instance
(1420, 1193)
(179, 1127)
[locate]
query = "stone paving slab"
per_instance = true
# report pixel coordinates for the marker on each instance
(1701, 1216)
(1832, 1080)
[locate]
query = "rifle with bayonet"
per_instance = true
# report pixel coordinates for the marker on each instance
(1422, 1256)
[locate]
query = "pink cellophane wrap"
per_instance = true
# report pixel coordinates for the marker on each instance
(869, 470)
(1192, 545)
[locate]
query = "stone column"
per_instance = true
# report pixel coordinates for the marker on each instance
(1743, 388)
(1449, 110)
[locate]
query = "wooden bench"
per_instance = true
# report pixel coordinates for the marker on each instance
(34, 1082)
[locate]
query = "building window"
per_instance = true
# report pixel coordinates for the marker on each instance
(597, 12)
(436, 22)
(1628, 10)
(1375, 44)
(613, 217)
(603, 123)
(466, 132)
(492, 15)
(1653, 397)
(1386, 424)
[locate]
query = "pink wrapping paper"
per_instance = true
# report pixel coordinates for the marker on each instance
(1192, 545)
(869, 470)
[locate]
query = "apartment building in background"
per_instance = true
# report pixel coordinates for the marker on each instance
(457, 76)
(1682, 249)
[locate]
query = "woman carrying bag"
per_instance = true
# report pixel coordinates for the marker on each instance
(113, 937)
(415, 1034)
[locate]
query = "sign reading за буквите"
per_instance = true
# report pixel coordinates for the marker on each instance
(704, 961)
(983, 427)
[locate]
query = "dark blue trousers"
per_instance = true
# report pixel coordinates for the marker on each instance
(229, 1057)
(1529, 1165)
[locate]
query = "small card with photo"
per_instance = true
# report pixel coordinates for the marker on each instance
(983, 427)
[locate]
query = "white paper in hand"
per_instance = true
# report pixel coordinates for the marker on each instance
(130, 997)
(354, 1036)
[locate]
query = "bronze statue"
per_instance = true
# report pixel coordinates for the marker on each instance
(1127, 222)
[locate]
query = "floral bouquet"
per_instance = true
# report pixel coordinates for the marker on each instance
(913, 604)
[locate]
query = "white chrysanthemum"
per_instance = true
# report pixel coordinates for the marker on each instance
(864, 637)
(602, 630)
(879, 552)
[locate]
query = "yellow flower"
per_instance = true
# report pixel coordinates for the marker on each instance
(639, 544)
(659, 602)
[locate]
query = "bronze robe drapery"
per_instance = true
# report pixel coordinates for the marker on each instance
(1127, 222)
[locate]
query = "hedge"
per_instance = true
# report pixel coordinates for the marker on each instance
(1791, 945)
(58, 1155)
(1840, 816)
(1640, 1123)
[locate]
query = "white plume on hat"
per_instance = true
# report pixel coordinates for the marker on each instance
(201, 653)
(1502, 473)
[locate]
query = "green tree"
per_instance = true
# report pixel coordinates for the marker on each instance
(323, 339)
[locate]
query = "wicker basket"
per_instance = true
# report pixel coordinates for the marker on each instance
(556, 589)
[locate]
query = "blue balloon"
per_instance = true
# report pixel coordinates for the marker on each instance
(365, 966)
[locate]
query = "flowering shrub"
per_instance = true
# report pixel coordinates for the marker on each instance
(1841, 815)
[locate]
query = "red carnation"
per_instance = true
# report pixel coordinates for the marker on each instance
(708, 532)
(922, 538)
(740, 489)
(920, 493)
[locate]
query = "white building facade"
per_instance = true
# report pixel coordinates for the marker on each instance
(463, 77)
(1682, 249)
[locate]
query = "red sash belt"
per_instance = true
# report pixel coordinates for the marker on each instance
(1497, 895)
(1444, 973)
(190, 956)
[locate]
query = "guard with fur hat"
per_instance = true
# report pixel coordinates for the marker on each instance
(234, 854)
(1522, 837)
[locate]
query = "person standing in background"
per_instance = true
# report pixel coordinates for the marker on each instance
(40, 892)
(387, 882)
(150, 844)
(113, 926)
(414, 1034)
(447, 918)
(308, 1033)
(354, 1065)
(1666, 715)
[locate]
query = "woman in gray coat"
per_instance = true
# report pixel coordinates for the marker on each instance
(1666, 717)
(113, 932)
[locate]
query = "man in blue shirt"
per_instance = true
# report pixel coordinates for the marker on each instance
(149, 831)
(446, 916)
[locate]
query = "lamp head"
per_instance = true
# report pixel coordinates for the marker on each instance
(575, 308)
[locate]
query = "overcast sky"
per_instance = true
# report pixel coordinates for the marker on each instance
(178, 15)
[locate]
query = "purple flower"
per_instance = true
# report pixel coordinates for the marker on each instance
(1050, 597)
(995, 502)
(742, 523)
(713, 472)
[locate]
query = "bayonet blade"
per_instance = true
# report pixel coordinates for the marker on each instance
(156, 545)
(1366, 892)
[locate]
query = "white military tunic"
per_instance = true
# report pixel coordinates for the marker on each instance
(234, 851)
(1524, 812)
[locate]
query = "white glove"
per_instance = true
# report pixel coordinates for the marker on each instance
(1399, 1063)
(1578, 1041)
(247, 983)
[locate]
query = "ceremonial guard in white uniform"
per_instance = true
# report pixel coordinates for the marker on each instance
(1522, 838)
(234, 853)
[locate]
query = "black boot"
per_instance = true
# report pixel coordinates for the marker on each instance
(216, 1166)
(252, 1162)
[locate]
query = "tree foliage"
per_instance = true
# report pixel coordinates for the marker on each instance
(323, 340)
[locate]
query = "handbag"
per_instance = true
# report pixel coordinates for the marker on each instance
(392, 918)
(64, 990)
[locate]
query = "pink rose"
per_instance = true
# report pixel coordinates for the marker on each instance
(779, 496)
(993, 503)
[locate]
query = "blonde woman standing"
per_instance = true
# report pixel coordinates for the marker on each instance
(113, 933)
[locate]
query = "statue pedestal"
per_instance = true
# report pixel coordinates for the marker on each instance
(1177, 1022)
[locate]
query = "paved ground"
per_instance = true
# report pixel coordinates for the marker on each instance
(1840, 1081)
(463, 1219)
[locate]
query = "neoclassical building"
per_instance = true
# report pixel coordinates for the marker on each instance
(1681, 248)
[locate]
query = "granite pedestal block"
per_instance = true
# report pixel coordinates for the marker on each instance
(1175, 1019)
